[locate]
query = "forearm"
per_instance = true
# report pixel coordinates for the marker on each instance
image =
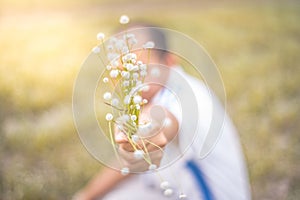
(102, 183)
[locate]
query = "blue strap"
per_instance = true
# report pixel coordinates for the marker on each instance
(198, 175)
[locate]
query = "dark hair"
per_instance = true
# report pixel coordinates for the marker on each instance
(155, 34)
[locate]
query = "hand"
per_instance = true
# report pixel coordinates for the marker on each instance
(153, 145)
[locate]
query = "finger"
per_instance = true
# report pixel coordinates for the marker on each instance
(157, 142)
(127, 146)
(120, 138)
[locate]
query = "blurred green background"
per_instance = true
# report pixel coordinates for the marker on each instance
(255, 44)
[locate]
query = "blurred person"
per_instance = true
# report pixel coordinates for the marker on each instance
(220, 175)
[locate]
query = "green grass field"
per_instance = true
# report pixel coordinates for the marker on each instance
(255, 45)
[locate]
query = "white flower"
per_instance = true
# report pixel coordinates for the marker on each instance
(109, 47)
(115, 102)
(133, 56)
(120, 44)
(100, 36)
(139, 63)
(125, 171)
(105, 80)
(135, 67)
(128, 66)
(128, 36)
(114, 73)
(155, 72)
(143, 67)
(125, 50)
(164, 185)
(96, 50)
(152, 167)
(168, 192)
(143, 73)
(133, 117)
(135, 138)
(182, 196)
(125, 74)
(126, 100)
(132, 41)
(149, 45)
(137, 99)
(107, 96)
(123, 118)
(115, 63)
(108, 67)
(124, 19)
(145, 101)
(138, 107)
(138, 154)
(125, 83)
(135, 75)
(109, 117)
(112, 56)
(145, 129)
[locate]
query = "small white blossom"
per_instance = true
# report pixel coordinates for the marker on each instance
(125, 50)
(125, 74)
(109, 117)
(125, 171)
(149, 45)
(137, 106)
(132, 41)
(168, 192)
(125, 83)
(137, 99)
(107, 96)
(105, 80)
(108, 67)
(112, 56)
(139, 63)
(135, 138)
(115, 63)
(115, 101)
(135, 75)
(96, 50)
(100, 36)
(145, 101)
(133, 117)
(120, 44)
(128, 66)
(152, 167)
(143, 73)
(128, 36)
(182, 196)
(109, 47)
(126, 100)
(145, 88)
(164, 185)
(114, 73)
(123, 118)
(135, 68)
(138, 154)
(143, 67)
(124, 19)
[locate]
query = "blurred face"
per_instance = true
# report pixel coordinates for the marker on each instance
(158, 65)
(158, 72)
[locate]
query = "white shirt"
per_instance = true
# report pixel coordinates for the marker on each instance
(223, 170)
